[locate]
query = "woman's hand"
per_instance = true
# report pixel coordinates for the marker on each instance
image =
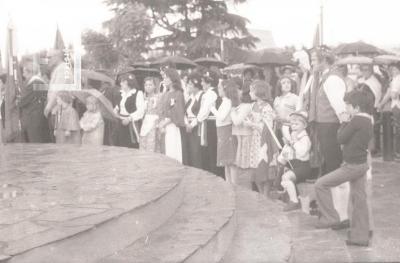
(126, 121)
(67, 133)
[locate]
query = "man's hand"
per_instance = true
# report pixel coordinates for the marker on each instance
(46, 111)
(126, 121)
(67, 133)
(344, 117)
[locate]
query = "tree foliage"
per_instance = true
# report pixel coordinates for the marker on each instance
(194, 27)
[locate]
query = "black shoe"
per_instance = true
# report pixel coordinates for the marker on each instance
(359, 244)
(342, 225)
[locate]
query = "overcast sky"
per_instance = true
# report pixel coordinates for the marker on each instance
(292, 22)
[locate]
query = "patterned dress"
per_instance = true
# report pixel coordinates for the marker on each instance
(67, 119)
(149, 137)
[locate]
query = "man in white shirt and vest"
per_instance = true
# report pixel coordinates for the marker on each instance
(326, 107)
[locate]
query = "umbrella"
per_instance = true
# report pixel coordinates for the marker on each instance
(179, 62)
(354, 60)
(358, 48)
(97, 76)
(239, 68)
(143, 64)
(386, 59)
(209, 62)
(140, 74)
(106, 107)
(270, 57)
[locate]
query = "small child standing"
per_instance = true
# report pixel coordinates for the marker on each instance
(92, 123)
(296, 153)
(355, 134)
(66, 130)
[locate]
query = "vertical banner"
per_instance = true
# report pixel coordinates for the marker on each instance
(12, 89)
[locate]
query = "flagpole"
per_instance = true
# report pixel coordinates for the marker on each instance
(322, 22)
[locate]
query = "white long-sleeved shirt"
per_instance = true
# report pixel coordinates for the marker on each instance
(335, 89)
(140, 104)
(207, 102)
(223, 114)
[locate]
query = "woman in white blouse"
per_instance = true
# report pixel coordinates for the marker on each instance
(227, 143)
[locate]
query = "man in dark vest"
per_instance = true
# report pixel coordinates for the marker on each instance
(326, 112)
(34, 124)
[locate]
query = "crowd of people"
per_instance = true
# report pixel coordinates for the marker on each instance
(266, 131)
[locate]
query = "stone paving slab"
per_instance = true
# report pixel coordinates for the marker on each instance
(50, 192)
(208, 206)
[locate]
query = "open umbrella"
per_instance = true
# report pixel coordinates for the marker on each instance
(270, 57)
(358, 48)
(178, 61)
(92, 75)
(209, 62)
(106, 107)
(354, 60)
(142, 64)
(386, 59)
(140, 74)
(239, 68)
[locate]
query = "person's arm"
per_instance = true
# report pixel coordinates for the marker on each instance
(385, 99)
(346, 131)
(304, 91)
(207, 101)
(223, 110)
(335, 89)
(140, 107)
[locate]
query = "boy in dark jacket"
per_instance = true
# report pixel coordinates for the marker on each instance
(354, 135)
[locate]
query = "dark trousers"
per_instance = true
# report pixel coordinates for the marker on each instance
(195, 157)
(184, 143)
(329, 146)
(210, 151)
(356, 175)
(35, 128)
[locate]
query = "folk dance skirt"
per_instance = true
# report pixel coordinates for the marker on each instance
(173, 142)
(227, 144)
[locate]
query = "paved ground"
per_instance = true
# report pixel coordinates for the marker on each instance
(48, 193)
(311, 245)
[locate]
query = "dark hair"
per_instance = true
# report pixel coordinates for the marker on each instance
(231, 90)
(211, 77)
(195, 79)
(293, 86)
(173, 75)
(262, 90)
(246, 98)
(248, 70)
(131, 79)
(361, 97)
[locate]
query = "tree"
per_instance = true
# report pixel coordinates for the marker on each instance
(127, 38)
(195, 27)
(100, 51)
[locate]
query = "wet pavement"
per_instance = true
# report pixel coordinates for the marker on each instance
(312, 245)
(49, 193)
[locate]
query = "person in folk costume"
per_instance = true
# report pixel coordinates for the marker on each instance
(149, 137)
(192, 107)
(172, 123)
(113, 95)
(206, 118)
(130, 108)
(227, 143)
(35, 128)
(92, 123)
(261, 115)
(325, 106)
(66, 127)
(61, 74)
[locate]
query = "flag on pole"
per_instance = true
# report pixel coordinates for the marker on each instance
(59, 42)
(12, 89)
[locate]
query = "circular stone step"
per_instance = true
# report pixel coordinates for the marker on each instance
(201, 230)
(61, 203)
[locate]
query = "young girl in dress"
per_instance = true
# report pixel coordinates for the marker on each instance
(261, 121)
(149, 132)
(172, 115)
(92, 123)
(296, 153)
(67, 129)
(226, 144)
(241, 173)
(284, 105)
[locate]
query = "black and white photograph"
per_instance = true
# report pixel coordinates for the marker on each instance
(199, 131)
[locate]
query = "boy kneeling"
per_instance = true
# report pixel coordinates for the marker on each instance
(296, 153)
(354, 134)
